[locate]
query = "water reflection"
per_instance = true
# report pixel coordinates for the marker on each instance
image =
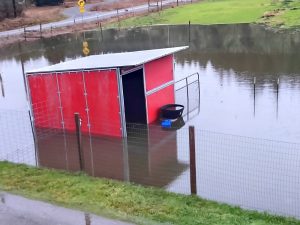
(2, 86)
(148, 156)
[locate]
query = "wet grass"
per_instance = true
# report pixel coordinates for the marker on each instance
(225, 12)
(289, 15)
(125, 201)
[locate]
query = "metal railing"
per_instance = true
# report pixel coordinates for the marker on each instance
(186, 79)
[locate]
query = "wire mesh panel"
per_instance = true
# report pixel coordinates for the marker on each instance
(252, 173)
(17, 144)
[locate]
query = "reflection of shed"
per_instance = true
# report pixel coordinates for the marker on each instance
(107, 90)
(148, 156)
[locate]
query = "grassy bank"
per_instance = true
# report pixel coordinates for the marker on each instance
(284, 13)
(125, 201)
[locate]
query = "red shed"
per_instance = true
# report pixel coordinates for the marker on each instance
(107, 90)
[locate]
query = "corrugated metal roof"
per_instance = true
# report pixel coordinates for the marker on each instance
(113, 60)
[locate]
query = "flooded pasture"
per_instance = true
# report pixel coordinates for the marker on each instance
(247, 136)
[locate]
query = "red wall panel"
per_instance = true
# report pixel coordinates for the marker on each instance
(159, 72)
(103, 102)
(44, 99)
(157, 100)
(100, 107)
(72, 99)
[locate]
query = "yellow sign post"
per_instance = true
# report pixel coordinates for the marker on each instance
(81, 4)
(85, 50)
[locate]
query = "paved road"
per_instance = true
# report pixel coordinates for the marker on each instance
(15, 210)
(73, 15)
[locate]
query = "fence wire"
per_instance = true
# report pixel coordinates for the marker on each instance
(17, 143)
(248, 172)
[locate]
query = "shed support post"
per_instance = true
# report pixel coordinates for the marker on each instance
(35, 143)
(126, 171)
(121, 102)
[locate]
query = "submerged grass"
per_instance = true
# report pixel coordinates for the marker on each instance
(125, 201)
(225, 12)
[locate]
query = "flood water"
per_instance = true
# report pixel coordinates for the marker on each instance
(247, 137)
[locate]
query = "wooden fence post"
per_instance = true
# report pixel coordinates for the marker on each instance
(193, 174)
(79, 140)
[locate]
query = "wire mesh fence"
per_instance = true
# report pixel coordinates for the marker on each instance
(17, 143)
(248, 172)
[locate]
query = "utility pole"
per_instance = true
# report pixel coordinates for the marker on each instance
(15, 9)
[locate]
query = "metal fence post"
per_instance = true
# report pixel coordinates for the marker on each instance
(101, 31)
(278, 82)
(193, 179)
(277, 97)
(189, 31)
(14, 8)
(41, 35)
(254, 94)
(187, 96)
(79, 140)
(25, 33)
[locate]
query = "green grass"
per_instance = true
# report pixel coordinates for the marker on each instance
(222, 12)
(290, 16)
(125, 201)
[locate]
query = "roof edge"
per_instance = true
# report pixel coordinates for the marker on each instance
(47, 70)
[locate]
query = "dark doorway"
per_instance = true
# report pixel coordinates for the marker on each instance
(134, 97)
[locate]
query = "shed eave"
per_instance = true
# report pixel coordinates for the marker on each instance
(108, 61)
(70, 71)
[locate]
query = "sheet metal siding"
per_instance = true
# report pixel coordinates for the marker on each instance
(158, 73)
(93, 94)
(157, 100)
(102, 97)
(72, 99)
